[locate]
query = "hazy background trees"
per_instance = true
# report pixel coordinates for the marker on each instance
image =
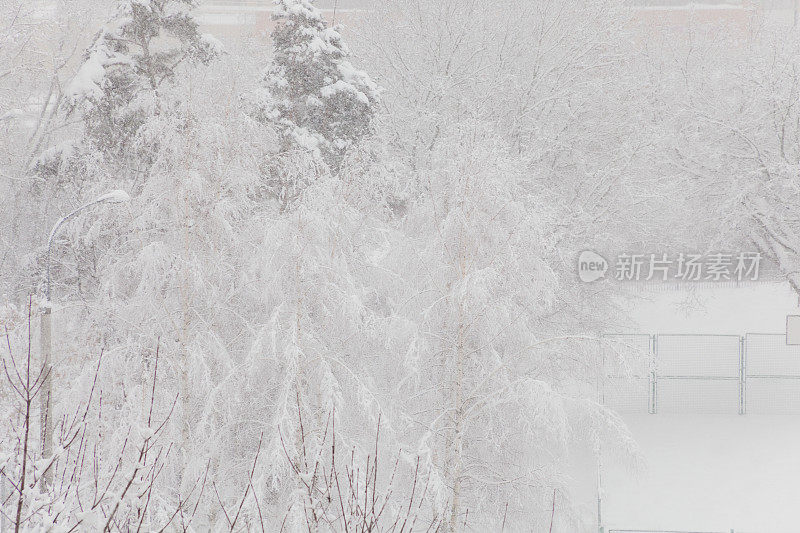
(731, 122)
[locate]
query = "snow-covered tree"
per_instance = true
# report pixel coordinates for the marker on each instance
(121, 82)
(39, 45)
(312, 94)
(738, 161)
(515, 151)
(488, 366)
(245, 296)
(126, 109)
(127, 78)
(758, 127)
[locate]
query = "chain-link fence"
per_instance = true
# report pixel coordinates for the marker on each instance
(628, 373)
(667, 531)
(706, 374)
(603, 530)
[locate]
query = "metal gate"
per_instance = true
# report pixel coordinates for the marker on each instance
(704, 374)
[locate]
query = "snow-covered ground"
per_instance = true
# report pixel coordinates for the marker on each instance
(708, 473)
(705, 473)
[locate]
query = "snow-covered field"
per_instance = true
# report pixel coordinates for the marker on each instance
(698, 474)
(705, 473)
(708, 473)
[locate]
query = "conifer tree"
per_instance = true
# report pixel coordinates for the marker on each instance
(122, 81)
(313, 95)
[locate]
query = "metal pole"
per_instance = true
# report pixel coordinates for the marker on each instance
(46, 331)
(46, 422)
(45, 399)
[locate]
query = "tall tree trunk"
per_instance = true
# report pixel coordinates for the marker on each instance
(456, 458)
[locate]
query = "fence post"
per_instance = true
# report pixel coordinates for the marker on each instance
(742, 375)
(653, 375)
(601, 372)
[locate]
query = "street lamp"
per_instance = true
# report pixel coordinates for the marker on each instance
(46, 424)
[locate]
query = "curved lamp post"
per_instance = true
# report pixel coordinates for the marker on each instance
(46, 426)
